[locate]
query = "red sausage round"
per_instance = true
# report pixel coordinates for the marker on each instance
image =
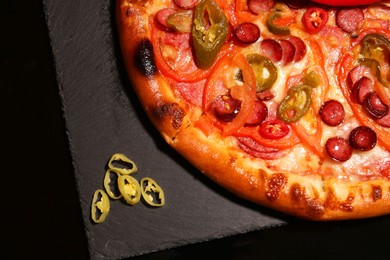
(338, 149)
(361, 88)
(288, 51)
(186, 4)
(349, 19)
(375, 106)
(247, 32)
(300, 47)
(225, 108)
(332, 112)
(271, 49)
(362, 138)
(259, 6)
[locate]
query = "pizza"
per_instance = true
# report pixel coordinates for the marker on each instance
(283, 103)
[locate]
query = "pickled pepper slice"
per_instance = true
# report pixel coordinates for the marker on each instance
(295, 104)
(209, 31)
(100, 206)
(152, 193)
(129, 188)
(109, 183)
(118, 160)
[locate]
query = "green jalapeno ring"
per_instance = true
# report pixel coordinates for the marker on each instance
(130, 166)
(312, 79)
(259, 64)
(100, 206)
(129, 188)
(295, 104)
(209, 31)
(181, 21)
(272, 27)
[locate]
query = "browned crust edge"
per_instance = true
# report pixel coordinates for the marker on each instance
(308, 197)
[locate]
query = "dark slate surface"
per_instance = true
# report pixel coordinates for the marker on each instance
(103, 117)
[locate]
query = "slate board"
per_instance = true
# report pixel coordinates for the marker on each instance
(104, 117)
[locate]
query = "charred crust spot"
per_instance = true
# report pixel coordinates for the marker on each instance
(275, 185)
(144, 58)
(376, 192)
(173, 111)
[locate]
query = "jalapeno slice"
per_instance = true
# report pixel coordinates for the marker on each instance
(100, 206)
(209, 31)
(129, 188)
(265, 71)
(273, 27)
(180, 21)
(110, 183)
(152, 193)
(375, 46)
(295, 104)
(312, 79)
(118, 160)
(375, 68)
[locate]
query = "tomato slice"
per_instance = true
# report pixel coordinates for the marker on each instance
(346, 2)
(222, 81)
(314, 19)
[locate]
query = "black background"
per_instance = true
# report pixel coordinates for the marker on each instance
(40, 212)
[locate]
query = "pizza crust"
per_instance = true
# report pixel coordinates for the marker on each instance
(305, 196)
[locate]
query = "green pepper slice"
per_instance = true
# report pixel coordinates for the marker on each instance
(375, 46)
(209, 31)
(129, 188)
(180, 21)
(374, 66)
(119, 159)
(312, 79)
(295, 104)
(152, 193)
(266, 72)
(100, 206)
(272, 27)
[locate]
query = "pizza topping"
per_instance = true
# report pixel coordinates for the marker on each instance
(295, 104)
(110, 183)
(312, 79)
(180, 21)
(162, 16)
(257, 150)
(288, 51)
(300, 47)
(100, 206)
(271, 49)
(296, 4)
(361, 88)
(258, 115)
(225, 108)
(186, 4)
(260, 6)
(209, 31)
(349, 19)
(338, 149)
(375, 46)
(274, 129)
(247, 33)
(362, 138)
(265, 71)
(273, 25)
(375, 106)
(314, 19)
(332, 112)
